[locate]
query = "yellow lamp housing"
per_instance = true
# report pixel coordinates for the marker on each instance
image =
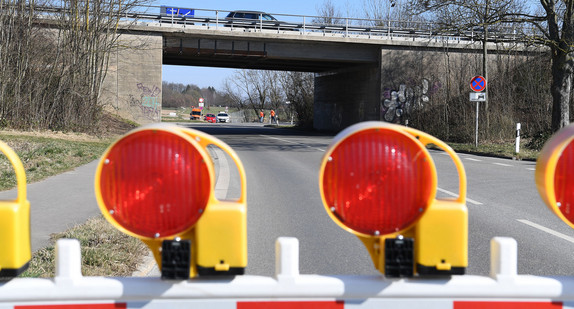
(554, 174)
(15, 223)
(379, 182)
(157, 183)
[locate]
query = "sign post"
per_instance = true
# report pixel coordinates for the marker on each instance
(477, 84)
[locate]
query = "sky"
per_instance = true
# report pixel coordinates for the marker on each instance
(215, 77)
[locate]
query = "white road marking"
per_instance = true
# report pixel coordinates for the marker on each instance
(291, 142)
(456, 195)
(547, 230)
(501, 164)
(222, 184)
(472, 159)
(531, 169)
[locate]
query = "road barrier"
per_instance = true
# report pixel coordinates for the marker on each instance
(289, 289)
(390, 153)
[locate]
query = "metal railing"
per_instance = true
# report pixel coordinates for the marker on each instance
(345, 27)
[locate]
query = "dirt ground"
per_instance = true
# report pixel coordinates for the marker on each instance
(111, 125)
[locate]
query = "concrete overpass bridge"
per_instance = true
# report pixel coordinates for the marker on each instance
(361, 73)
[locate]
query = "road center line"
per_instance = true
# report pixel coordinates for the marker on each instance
(501, 164)
(456, 195)
(472, 159)
(547, 230)
(291, 142)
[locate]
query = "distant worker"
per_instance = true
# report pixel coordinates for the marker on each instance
(273, 119)
(261, 116)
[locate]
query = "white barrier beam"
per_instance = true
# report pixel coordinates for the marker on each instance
(290, 289)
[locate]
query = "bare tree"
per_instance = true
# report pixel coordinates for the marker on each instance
(246, 89)
(475, 18)
(276, 94)
(264, 90)
(387, 10)
(232, 95)
(52, 78)
(555, 25)
(16, 44)
(299, 91)
(209, 96)
(328, 14)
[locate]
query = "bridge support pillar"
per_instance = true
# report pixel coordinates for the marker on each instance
(132, 88)
(347, 96)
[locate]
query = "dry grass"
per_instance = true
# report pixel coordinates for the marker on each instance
(501, 149)
(47, 156)
(48, 153)
(105, 251)
(80, 137)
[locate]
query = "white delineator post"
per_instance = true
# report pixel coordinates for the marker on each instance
(517, 137)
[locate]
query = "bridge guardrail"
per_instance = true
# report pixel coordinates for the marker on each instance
(312, 25)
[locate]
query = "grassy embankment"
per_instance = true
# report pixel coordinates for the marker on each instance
(106, 251)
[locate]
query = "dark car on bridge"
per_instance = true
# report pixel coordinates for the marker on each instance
(256, 19)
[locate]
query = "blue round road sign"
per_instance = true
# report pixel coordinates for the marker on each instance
(478, 83)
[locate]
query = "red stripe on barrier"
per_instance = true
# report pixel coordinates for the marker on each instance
(505, 305)
(76, 306)
(338, 304)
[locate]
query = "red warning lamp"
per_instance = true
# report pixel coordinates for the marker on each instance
(554, 174)
(157, 183)
(379, 182)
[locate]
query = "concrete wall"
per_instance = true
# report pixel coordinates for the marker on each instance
(347, 96)
(407, 79)
(355, 80)
(411, 79)
(420, 79)
(132, 88)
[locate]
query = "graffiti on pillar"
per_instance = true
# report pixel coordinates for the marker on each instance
(399, 103)
(150, 92)
(147, 103)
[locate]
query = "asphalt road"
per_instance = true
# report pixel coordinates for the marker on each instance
(59, 203)
(283, 200)
(282, 169)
